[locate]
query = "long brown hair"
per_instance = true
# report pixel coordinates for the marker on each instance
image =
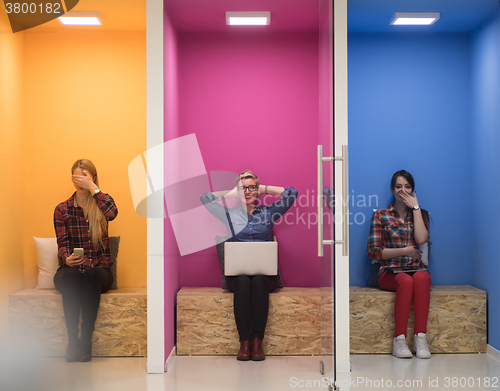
(97, 220)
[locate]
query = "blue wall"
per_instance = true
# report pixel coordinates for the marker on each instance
(485, 71)
(410, 108)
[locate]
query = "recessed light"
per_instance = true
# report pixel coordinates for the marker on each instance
(81, 18)
(414, 18)
(248, 18)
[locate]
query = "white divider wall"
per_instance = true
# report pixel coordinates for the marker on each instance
(341, 138)
(155, 252)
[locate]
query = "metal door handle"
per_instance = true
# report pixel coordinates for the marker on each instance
(345, 207)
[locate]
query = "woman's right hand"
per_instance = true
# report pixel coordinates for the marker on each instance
(74, 260)
(413, 252)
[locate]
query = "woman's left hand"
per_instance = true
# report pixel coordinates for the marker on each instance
(409, 201)
(84, 181)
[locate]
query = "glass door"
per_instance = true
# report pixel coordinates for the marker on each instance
(333, 228)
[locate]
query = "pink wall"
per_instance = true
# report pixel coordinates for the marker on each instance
(252, 99)
(326, 125)
(171, 129)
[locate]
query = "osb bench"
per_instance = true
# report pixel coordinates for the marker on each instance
(457, 320)
(206, 326)
(205, 321)
(120, 328)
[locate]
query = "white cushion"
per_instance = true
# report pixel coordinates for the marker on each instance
(425, 253)
(47, 261)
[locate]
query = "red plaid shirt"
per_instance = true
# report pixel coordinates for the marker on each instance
(72, 231)
(387, 231)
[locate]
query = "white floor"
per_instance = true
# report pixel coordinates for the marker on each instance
(21, 371)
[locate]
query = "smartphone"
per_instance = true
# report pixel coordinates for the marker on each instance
(78, 252)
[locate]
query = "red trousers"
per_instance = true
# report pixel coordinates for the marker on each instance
(415, 285)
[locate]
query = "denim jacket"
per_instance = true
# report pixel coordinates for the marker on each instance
(257, 227)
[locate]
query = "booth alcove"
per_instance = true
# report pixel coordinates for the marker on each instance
(254, 97)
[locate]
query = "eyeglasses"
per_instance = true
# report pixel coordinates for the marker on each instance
(244, 188)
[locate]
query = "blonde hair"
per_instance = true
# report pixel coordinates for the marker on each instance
(97, 220)
(247, 174)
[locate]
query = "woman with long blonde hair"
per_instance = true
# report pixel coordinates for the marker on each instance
(81, 222)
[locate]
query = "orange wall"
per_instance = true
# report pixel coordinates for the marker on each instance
(84, 97)
(11, 184)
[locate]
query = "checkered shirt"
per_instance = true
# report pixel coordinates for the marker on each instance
(387, 231)
(72, 231)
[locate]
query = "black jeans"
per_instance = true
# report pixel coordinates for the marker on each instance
(81, 291)
(251, 303)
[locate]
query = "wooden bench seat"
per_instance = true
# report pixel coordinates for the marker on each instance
(120, 328)
(457, 320)
(205, 321)
(206, 326)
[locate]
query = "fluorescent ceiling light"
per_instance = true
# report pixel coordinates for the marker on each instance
(248, 18)
(414, 18)
(81, 18)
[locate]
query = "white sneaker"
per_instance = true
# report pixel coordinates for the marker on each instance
(420, 346)
(400, 348)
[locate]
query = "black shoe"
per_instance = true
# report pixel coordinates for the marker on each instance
(73, 357)
(85, 357)
(85, 350)
(73, 351)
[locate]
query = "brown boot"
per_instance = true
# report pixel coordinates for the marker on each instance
(245, 352)
(257, 352)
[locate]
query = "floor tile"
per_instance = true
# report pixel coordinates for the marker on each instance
(20, 371)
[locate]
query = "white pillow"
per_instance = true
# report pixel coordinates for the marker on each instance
(425, 253)
(47, 261)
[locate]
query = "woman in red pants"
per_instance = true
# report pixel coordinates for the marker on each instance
(395, 234)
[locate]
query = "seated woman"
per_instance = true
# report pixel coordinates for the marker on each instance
(82, 222)
(395, 234)
(251, 293)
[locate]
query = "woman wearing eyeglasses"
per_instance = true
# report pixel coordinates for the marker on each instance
(251, 222)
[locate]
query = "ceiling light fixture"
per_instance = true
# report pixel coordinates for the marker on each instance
(414, 18)
(80, 18)
(248, 18)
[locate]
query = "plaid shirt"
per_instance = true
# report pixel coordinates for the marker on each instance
(72, 231)
(387, 231)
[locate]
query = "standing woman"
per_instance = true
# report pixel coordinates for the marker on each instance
(395, 234)
(251, 223)
(82, 222)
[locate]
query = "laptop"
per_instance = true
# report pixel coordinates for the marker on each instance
(250, 258)
(403, 269)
